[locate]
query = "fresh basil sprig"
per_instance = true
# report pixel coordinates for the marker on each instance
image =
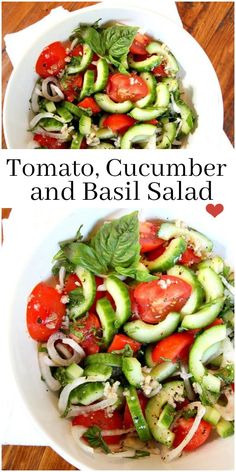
(95, 439)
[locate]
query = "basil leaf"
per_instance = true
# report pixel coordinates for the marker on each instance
(92, 36)
(118, 39)
(141, 275)
(116, 244)
(85, 256)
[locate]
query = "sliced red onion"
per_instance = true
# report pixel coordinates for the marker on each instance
(45, 84)
(117, 432)
(65, 393)
(54, 355)
(72, 343)
(77, 433)
(73, 44)
(201, 410)
(63, 350)
(57, 91)
(52, 383)
(82, 410)
(184, 374)
(124, 454)
(44, 114)
(60, 136)
(101, 288)
(35, 100)
(61, 275)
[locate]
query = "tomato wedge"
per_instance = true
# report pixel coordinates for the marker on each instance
(44, 312)
(72, 282)
(120, 341)
(89, 102)
(189, 257)
(77, 51)
(175, 347)
(122, 87)
(71, 86)
(139, 44)
(159, 71)
(157, 298)
(152, 255)
(49, 143)
(51, 60)
(88, 328)
(128, 421)
(182, 428)
(148, 238)
(103, 421)
(119, 123)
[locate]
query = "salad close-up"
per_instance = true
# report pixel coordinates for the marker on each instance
(134, 330)
(109, 86)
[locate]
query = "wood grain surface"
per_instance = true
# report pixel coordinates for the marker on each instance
(212, 25)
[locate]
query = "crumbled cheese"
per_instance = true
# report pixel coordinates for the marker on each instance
(146, 370)
(68, 59)
(165, 283)
(92, 139)
(110, 391)
(116, 141)
(58, 288)
(150, 386)
(65, 299)
(197, 388)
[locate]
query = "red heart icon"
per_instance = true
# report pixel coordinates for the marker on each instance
(214, 210)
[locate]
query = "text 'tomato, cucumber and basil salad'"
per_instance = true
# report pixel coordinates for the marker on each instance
(108, 87)
(135, 333)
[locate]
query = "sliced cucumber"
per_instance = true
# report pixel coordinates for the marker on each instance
(225, 428)
(166, 417)
(132, 370)
(148, 356)
(144, 114)
(104, 358)
(162, 95)
(201, 344)
(211, 353)
(147, 333)
(168, 135)
(100, 370)
(50, 106)
(50, 124)
(83, 64)
(156, 47)
(164, 370)
(88, 84)
(65, 114)
(171, 255)
(151, 85)
(146, 65)
(107, 318)
(211, 283)
(187, 118)
(103, 146)
(76, 141)
(206, 315)
(87, 393)
(212, 416)
(102, 75)
(105, 133)
(74, 109)
(85, 124)
(154, 409)
(138, 418)
(108, 105)
(170, 230)
(137, 134)
(197, 296)
(120, 294)
(216, 263)
(171, 83)
(87, 280)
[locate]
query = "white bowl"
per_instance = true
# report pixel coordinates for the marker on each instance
(33, 265)
(198, 76)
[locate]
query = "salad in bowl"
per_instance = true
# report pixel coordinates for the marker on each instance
(134, 333)
(109, 86)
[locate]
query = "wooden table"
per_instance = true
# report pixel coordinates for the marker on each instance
(212, 25)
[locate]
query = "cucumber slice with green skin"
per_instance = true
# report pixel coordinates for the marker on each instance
(166, 417)
(120, 294)
(212, 416)
(102, 75)
(168, 136)
(50, 106)
(164, 370)
(106, 359)
(206, 315)
(85, 124)
(147, 333)
(85, 61)
(105, 133)
(132, 370)
(88, 282)
(169, 392)
(211, 283)
(73, 109)
(162, 96)
(225, 428)
(171, 83)
(138, 418)
(108, 105)
(151, 83)
(144, 114)
(120, 398)
(103, 146)
(50, 124)
(146, 65)
(170, 230)
(107, 318)
(211, 353)
(76, 141)
(217, 361)
(136, 134)
(88, 84)
(203, 342)
(228, 318)
(216, 264)
(104, 371)
(171, 255)
(148, 356)
(65, 114)
(197, 296)
(187, 117)
(156, 47)
(87, 393)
